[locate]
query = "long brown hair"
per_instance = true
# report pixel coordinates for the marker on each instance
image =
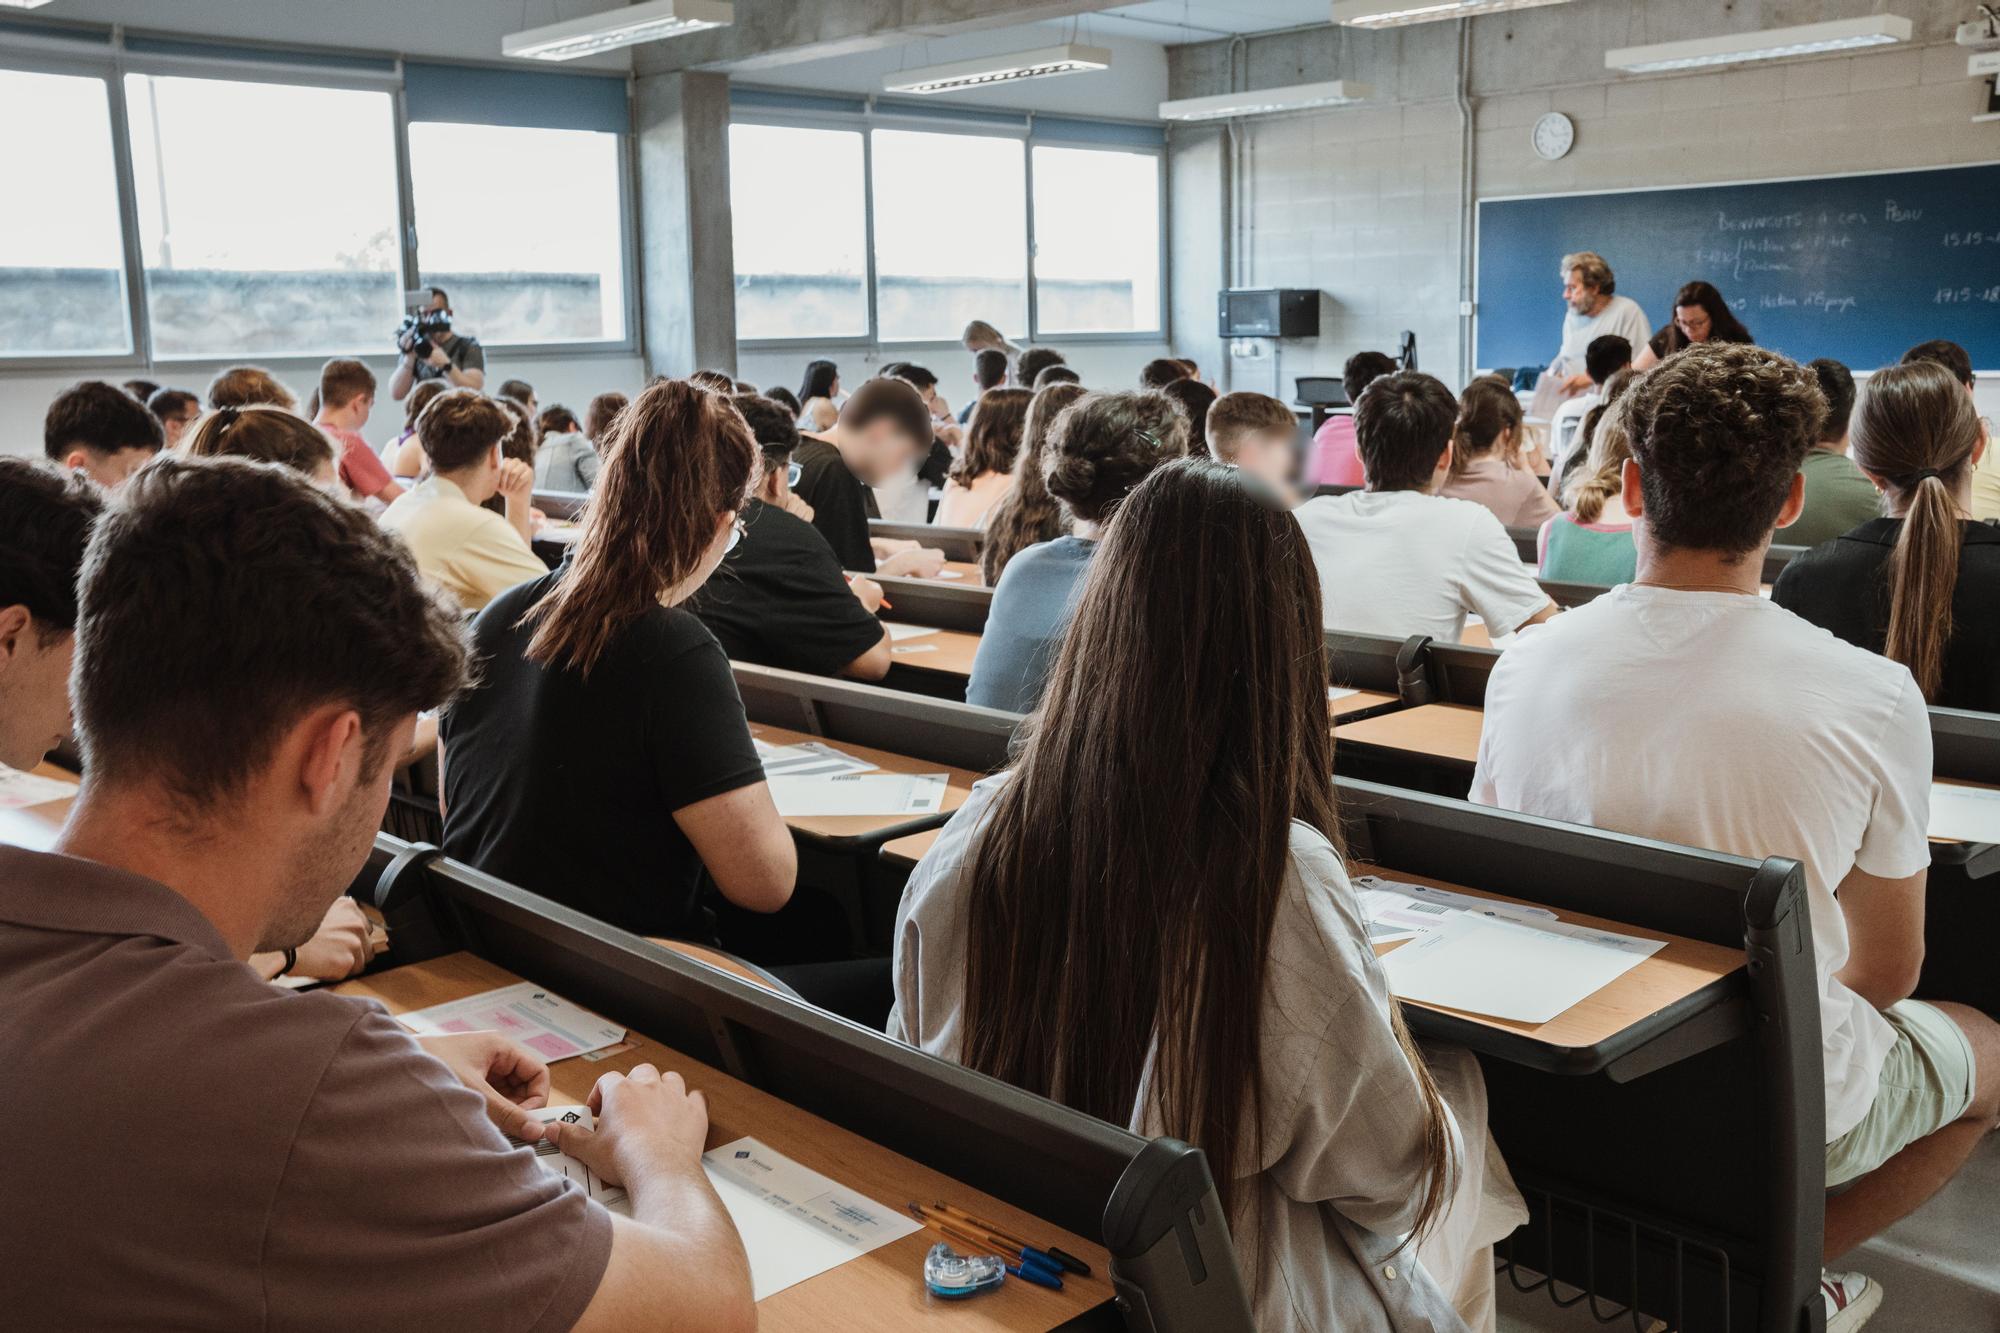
(675, 460)
(993, 436)
(1139, 939)
(1916, 430)
(1027, 513)
(1487, 408)
(267, 434)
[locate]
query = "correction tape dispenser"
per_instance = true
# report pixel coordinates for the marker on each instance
(955, 1276)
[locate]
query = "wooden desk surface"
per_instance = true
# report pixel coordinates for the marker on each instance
(35, 827)
(949, 651)
(1359, 701)
(880, 1290)
(1440, 731)
(1476, 635)
(966, 573)
(907, 851)
(854, 828)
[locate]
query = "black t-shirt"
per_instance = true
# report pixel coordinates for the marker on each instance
(779, 599)
(567, 786)
(1843, 586)
(841, 504)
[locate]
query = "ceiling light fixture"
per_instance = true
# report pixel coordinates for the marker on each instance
(1395, 13)
(1267, 101)
(1772, 44)
(629, 26)
(1010, 67)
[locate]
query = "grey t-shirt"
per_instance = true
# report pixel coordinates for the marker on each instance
(1024, 628)
(212, 1151)
(464, 354)
(567, 461)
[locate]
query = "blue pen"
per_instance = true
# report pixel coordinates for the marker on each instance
(1031, 1273)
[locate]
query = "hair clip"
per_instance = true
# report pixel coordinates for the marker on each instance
(225, 417)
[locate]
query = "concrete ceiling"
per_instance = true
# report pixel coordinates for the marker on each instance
(1173, 22)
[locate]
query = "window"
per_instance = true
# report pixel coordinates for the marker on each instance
(799, 217)
(267, 216)
(523, 228)
(62, 259)
(1097, 240)
(951, 238)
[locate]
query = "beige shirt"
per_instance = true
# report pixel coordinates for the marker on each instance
(968, 506)
(203, 1150)
(1516, 497)
(1341, 1174)
(472, 553)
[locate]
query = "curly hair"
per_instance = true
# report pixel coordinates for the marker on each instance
(1027, 513)
(993, 436)
(1104, 444)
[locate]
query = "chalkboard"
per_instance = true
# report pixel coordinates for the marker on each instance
(1858, 268)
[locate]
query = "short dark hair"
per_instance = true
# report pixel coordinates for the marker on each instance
(1402, 422)
(438, 292)
(891, 397)
(775, 429)
(1194, 399)
(989, 367)
(1160, 372)
(519, 390)
(420, 398)
(220, 600)
(1057, 374)
(1719, 431)
(98, 417)
(1606, 356)
(1363, 369)
(342, 380)
(555, 419)
(459, 427)
(1836, 385)
(603, 410)
(1946, 353)
(171, 402)
(920, 376)
(1104, 444)
(1031, 363)
(140, 389)
(785, 398)
(46, 514)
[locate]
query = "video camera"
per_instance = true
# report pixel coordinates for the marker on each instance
(421, 323)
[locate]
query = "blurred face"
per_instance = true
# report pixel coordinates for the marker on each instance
(1694, 323)
(878, 451)
(1579, 295)
(34, 688)
(1270, 457)
(108, 470)
(176, 424)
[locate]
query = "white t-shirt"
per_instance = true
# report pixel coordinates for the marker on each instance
(1621, 315)
(1403, 562)
(1725, 722)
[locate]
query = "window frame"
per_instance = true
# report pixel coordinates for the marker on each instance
(111, 63)
(980, 123)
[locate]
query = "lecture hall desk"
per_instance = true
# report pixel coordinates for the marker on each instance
(947, 652)
(881, 1290)
(35, 827)
(848, 831)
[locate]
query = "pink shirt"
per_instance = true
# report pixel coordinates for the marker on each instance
(1334, 461)
(360, 470)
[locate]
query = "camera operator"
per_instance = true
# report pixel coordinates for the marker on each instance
(437, 352)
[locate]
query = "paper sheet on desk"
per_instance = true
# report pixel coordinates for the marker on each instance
(807, 759)
(1395, 910)
(19, 790)
(1967, 814)
(546, 1024)
(898, 633)
(1335, 692)
(860, 794)
(1508, 968)
(795, 1223)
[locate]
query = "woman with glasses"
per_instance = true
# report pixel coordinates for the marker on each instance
(1700, 316)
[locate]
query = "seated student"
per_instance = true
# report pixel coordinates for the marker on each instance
(818, 414)
(604, 410)
(822, 380)
(250, 386)
(1259, 434)
(883, 429)
(46, 514)
(1920, 585)
(1194, 399)
(1334, 460)
(1243, 963)
(404, 455)
(1029, 365)
(469, 551)
(1591, 541)
(1486, 463)
(1986, 473)
(1429, 560)
(1028, 514)
(603, 759)
(1839, 496)
(984, 472)
(346, 397)
(782, 396)
(1056, 374)
(140, 389)
(779, 598)
(989, 371)
(567, 460)
(1569, 434)
(1101, 446)
(268, 435)
(1691, 669)
(905, 496)
(714, 381)
(101, 431)
(269, 1147)
(1160, 372)
(176, 409)
(522, 392)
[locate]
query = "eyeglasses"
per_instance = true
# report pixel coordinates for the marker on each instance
(793, 471)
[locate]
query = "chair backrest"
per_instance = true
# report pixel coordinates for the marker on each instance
(936, 602)
(937, 731)
(1965, 745)
(561, 504)
(956, 543)
(1527, 544)
(1321, 391)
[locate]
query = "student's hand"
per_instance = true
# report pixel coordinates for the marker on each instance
(343, 944)
(884, 547)
(517, 481)
(867, 591)
(794, 505)
(647, 1123)
(511, 1078)
(536, 518)
(437, 357)
(921, 563)
(950, 434)
(1576, 384)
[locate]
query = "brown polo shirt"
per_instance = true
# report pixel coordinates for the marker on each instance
(195, 1148)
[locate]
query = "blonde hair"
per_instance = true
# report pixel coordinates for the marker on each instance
(1602, 476)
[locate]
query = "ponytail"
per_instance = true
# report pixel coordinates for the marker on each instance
(1923, 575)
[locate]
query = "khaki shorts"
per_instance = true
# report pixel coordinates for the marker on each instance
(1927, 1083)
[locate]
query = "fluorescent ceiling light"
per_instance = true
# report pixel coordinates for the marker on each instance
(629, 26)
(1008, 68)
(1394, 13)
(23, 4)
(1771, 44)
(1265, 101)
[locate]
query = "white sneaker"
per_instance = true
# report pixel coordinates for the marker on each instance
(1850, 1299)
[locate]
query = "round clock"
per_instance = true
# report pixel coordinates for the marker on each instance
(1554, 134)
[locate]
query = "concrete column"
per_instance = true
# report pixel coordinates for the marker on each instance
(687, 287)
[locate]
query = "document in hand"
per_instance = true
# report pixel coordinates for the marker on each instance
(1966, 814)
(1527, 972)
(546, 1024)
(859, 794)
(19, 790)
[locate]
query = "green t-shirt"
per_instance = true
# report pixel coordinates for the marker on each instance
(1839, 499)
(1575, 552)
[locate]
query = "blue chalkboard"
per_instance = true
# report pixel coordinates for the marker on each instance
(1857, 268)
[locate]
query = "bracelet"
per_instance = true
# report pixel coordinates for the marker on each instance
(291, 961)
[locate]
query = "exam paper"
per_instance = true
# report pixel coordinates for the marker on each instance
(1968, 814)
(807, 759)
(546, 1024)
(898, 633)
(914, 648)
(1335, 692)
(951, 573)
(19, 790)
(860, 794)
(1508, 968)
(1395, 910)
(795, 1223)
(562, 1164)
